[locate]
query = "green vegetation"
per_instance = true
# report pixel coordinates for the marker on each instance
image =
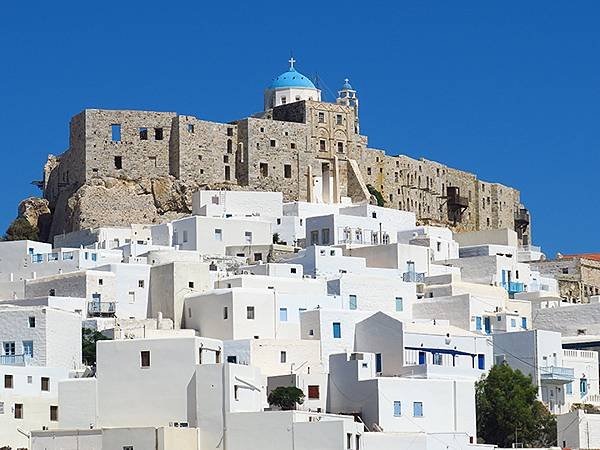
(286, 397)
(376, 194)
(89, 338)
(21, 229)
(508, 410)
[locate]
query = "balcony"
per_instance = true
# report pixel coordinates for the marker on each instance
(102, 309)
(513, 287)
(413, 277)
(522, 217)
(557, 375)
(12, 360)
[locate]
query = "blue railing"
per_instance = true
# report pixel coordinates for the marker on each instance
(413, 277)
(557, 373)
(12, 360)
(513, 286)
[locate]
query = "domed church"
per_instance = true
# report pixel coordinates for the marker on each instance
(290, 86)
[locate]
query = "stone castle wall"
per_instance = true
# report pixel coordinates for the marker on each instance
(149, 173)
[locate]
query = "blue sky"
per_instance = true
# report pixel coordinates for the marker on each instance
(507, 90)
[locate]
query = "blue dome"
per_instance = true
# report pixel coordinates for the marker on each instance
(347, 86)
(291, 78)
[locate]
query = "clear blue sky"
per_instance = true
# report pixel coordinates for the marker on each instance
(508, 90)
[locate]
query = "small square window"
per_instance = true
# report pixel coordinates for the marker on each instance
(282, 357)
(250, 312)
(292, 145)
(190, 127)
(321, 117)
(115, 130)
(229, 131)
(8, 381)
(141, 283)
(264, 170)
(143, 134)
(145, 358)
(273, 143)
(218, 234)
(158, 134)
(32, 322)
(100, 281)
(45, 384)
(53, 413)
(191, 284)
(418, 409)
(322, 145)
(18, 410)
(287, 171)
(313, 392)
(118, 162)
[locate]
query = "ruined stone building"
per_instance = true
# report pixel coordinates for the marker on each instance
(125, 167)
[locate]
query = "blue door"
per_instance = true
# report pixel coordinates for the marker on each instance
(481, 362)
(487, 325)
(422, 358)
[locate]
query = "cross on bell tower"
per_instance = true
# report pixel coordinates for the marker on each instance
(292, 61)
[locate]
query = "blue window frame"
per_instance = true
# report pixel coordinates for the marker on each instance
(418, 409)
(397, 408)
(28, 348)
(399, 304)
(524, 323)
(353, 302)
(478, 323)
(337, 330)
(481, 362)
(378, 362)
(283, 315)
(94, 256)
(513, 323)
(569, 388)
(583, 386)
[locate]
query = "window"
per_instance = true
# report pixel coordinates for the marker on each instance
(569, 388)
(18, 410)
(28, 349)
(378, 363)
(225, 311)
(8, 381)
(399, 304)
(190, 127)
(282, 357)
(264, 170)
(158, 134)
(292, 145)
(9, 348)
(524, 323)
(273, 143)
(145, 358)
(313, 392)
(340, 147)
(565, 270)
(283, 100)
(287, 171)
(478, 323)
(115, 130)
(283, 316)
(227, 173)
(128, 447)
(191, 284)
(321, 117)
(53, 413)
(250, 312)
(325, 236)
(100, 281)
(229, 131)
(45, 384)
(397, 409)
(31, 322)
(185, 236)
(322, 146)
(1, 407)
(248, 237)
(437, 359)
(218, 234)
(513, 323)
(118, 162)
(141, 283)
(337, 330)
(418, 409)
(143, 134)
(232, 359)
(481, 362)
(338, 119)
(353, 302)
(314, 237)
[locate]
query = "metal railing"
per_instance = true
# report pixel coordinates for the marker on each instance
(12, 360)
(413, 277)
(102, 309)
(557, 373)
(513, 286)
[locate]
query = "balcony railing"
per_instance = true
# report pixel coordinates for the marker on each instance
(102, 309)
(12, 360)
(557, 374)
(413, 277)
(513, 286)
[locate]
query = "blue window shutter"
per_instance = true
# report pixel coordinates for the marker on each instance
(397, 409)
(481, 362)
(418, 409)
(337, 330)
(399, 304)
(353, 302)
